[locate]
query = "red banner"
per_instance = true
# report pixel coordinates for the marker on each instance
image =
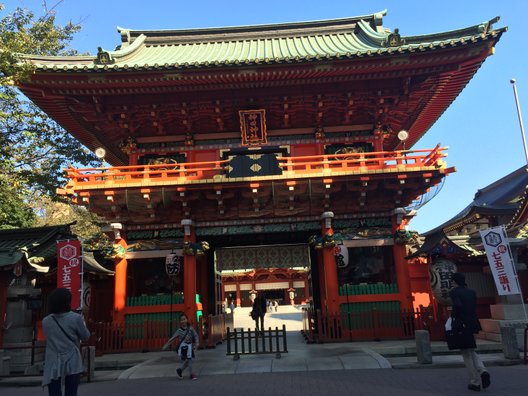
(69, 269)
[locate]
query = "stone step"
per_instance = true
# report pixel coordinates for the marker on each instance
(437, 347)
(507, 311)
(492, 336)
(494, 325)
(5, 362)
(489, 336)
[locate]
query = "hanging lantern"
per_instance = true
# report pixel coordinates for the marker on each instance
(440, 273)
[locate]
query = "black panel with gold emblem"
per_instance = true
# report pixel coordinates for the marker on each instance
(248, 163)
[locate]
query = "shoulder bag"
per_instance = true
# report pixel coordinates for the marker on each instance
(460, 336)
(77, 344)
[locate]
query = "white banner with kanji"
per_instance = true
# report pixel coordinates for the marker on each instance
(500, 261)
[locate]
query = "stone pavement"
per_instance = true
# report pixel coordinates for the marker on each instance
(301, 357)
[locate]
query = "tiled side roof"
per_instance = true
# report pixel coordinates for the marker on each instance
(264, 44)
(33, 242)
(504, 196)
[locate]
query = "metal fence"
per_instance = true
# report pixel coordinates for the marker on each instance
(254, 342)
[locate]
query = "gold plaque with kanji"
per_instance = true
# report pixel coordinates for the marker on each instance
(253, 127)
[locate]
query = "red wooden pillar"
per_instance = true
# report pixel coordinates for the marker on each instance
(330, 268)
(403, 278)
(189, 273)
(203, 277)
(120, 277)
(322, 281)
(238, 298)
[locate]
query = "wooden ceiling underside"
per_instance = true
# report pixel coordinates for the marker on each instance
(270, 200)
(403, 92)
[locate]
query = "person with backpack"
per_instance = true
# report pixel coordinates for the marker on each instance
(187, 339)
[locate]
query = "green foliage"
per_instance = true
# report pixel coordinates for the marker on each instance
(22, 33)
(14, 213)
(87, 225)
(34, 149)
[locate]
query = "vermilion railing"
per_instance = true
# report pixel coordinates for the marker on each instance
(363, 161)
(189, 172)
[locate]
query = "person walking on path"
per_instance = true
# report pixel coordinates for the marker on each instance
(465, 310)
(64, 330)
(259, 311)
(187, 339)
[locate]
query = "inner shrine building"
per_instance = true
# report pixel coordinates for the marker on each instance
(261, 151)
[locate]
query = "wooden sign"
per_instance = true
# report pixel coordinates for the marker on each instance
(253, 127)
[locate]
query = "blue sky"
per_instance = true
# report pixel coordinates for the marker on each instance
(480, 128)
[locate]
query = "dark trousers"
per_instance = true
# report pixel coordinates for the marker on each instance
(70, 386)
(261, 318)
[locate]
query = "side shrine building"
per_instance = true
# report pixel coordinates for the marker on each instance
(262, 151)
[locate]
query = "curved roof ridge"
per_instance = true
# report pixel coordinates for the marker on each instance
(513, 183)
(510, 177)
(372, 36)
(124, 52)
(481, 28)
(307, 27)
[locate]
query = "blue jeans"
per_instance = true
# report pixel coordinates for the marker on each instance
(70, 386)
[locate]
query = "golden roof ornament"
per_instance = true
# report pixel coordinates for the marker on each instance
(103, 57)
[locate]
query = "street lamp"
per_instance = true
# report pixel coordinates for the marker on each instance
(512, 81)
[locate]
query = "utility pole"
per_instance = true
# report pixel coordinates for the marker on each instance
(512, 81)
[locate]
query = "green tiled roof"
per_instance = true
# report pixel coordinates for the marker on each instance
(260, 44)
(32, 243)
(39, 245)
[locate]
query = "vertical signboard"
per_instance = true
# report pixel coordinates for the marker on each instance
(500, 261)
(253, 127)
(69, 269)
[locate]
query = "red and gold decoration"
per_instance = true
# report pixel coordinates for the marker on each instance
(382, 130)
(195, 249)
(405, 237)
(128, 146)
(253, 127)
(319, 133)
(319, 242)
(189, 139)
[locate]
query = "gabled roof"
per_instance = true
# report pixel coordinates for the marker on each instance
(38, 247)
(33, 243)
(198, 79)
(261, 44)
(439, 244)
(90, 264)
(506, 196)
